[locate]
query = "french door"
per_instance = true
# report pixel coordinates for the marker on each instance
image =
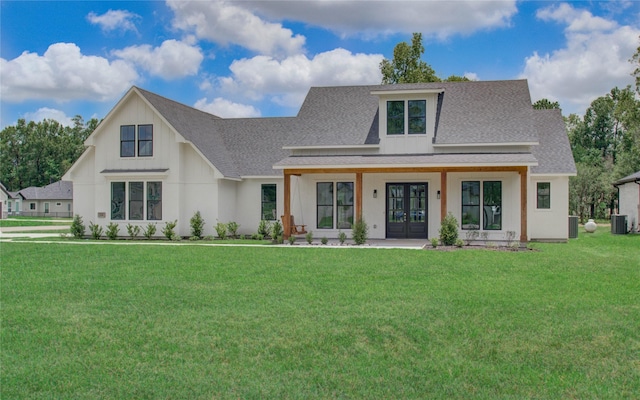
(406, 210)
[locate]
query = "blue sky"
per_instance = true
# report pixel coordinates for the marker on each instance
(259, 58)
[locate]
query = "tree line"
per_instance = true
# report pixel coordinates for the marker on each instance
(39, 153)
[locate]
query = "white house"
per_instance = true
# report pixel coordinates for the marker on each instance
(4, 198)
(629, 200)
(402, 156)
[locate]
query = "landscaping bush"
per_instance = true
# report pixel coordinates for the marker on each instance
(292, 239)
(276, 230)
(459, 243)
(342, 237)
(360, 232)
(112, 230)
(96, 230)
(77, 227)
(324, 240)
(133, 230)
(232, 228)
(264, 228)
(150, 230)
(309, 237)
(449, 230)
(434, 242)
(197, 225)
(168, 230)
(221, 230)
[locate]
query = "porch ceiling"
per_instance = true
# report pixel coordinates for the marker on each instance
(448, 160)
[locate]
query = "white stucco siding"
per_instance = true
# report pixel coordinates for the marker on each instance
(629, 202)
(408, 144)
(549, 223)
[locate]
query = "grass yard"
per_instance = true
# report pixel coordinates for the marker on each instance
(10, 223)
(114, 321)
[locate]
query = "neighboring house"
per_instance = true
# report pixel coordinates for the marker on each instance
(53, 200)
(4, 198)
(402, 156)
(629, 200)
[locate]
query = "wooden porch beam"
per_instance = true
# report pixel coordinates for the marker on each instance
(286, 220)
(523, 204)
(302, 171)
(443, 195)
(358, 195)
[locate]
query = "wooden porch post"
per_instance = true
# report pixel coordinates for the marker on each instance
(358, 195)
(286, 219)
(443, 195)
(523, 204)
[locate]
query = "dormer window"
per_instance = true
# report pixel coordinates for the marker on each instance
(406, 117)
(143, 144)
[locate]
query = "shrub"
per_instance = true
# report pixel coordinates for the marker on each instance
(112, 230)
(279, 239)
(208, 237)
(150, 230)
(168, 230)
(342, 237)
(264, 228)
(77, 227)
(197, 225)
(276, 230)
(459, 243)
(449, 230)
(232, 228)
(96, 230)
(133, 230)
(221, 230)
(434, 242)
(360, 232)
(292, 239)
(309, 237)
(324, 240)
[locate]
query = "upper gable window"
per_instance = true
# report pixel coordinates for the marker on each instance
(143, 143)
(406, 117)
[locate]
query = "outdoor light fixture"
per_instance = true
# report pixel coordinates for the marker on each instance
(438, 194)
(375, 193)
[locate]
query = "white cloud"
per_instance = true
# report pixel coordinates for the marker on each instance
(173, 59)
(115, 20)
(227, 23)
(472, 76)
(49, 113)
(64, 73)
(287, 81)
(226, 109)
(371, 19)
(594, 60)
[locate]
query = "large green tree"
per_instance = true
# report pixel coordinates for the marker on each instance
(38, 153)
(635, 60)
(407, 65)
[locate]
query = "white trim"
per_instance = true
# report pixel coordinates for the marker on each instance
(486, 144)
(261, 177)
(552, 174)
(375, 166)
(131, 173)
(407, 91)
(335, 146)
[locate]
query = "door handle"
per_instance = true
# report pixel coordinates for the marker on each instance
(405, 217)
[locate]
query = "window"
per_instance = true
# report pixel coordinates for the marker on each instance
(416, 117)
(324, 197)
(395, 117)
(117, 201)
(136, 200)
(544, 195)
(343, 211)
(145, 140)
(154, 201)
(268, 201)
(127, 141)
(491, 216)
(46, 208)
(9, 206)
(32, 206)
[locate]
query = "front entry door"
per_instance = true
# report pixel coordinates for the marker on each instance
(407, 210)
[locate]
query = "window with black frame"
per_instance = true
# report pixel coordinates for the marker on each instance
(543, 195)
(269, 205)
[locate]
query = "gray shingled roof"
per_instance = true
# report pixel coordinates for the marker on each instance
(635, 177)
(61, 190)
(554, 152)
(469, 112)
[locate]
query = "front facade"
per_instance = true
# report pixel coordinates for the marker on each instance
(400, 156)
(629, 200)
(53, 200)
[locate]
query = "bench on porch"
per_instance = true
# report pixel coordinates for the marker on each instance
(295, 229)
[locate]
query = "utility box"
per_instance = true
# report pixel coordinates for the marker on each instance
(618, 224)
(573, 227)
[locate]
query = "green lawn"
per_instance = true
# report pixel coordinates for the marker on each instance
(7, 223)
(114, 321)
